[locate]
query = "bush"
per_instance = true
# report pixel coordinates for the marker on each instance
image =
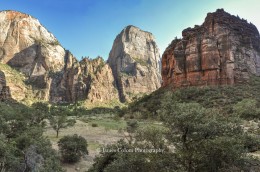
(252, 143)
(72, 148)
(204, 139)
(94, 125)
(132, 125)
(247, 109)
(22, 143)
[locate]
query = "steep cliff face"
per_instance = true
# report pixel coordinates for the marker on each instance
(135, 62)
(223, 50)
(51, 73)
(90, 80)
(28, 47)
(101, 87)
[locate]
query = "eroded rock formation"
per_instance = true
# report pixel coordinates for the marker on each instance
(102, 85)
(135, 62)
(28, 47)
(54, 74)
(223, 50)
(85, 80)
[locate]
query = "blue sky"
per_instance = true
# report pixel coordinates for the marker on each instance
(89, 27)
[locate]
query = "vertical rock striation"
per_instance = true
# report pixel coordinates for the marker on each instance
(54, 74)
(135, 62)
(223, 50)
(90, 80)
(28, 47)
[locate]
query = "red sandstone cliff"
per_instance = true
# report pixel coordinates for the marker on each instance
(223, 50)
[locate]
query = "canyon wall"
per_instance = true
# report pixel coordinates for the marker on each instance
(135, 62)
(223, 50)
(52, 73)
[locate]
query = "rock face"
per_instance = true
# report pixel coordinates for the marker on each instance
(85, 80)
(102, 85)
(54, 74)
(28, 47)
(223, 50)
(135, 62)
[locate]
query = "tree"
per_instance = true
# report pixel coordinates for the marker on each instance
(22, 145)
(247, 109)
(118, 159)
(41, 111)
(203, 139)
(8, 159)
(72, 148)
(131, 127)
(78, 110)
(193, 139)
(59, 119)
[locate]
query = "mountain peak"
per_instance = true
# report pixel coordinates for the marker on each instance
(134, 60)
(132, 28)
(11, 14)
(223, 50)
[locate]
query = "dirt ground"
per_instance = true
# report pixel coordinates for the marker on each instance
(95, 136)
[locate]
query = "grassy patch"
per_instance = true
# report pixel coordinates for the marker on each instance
(102, 107)
(109, 124)
(12, 75)
(16, 81)
(140, 61)
(53, 137)
(93, 145)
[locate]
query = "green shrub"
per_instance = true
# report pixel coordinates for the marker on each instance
(72, 148)
(94, 125)
(252, 143)
(247, 109)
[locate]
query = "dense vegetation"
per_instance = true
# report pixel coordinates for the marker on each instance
(219, 97)
(59, 118)
(22, 145)
(204, 129)
(197, 129)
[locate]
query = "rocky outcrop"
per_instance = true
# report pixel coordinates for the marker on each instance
(53, 74)
(135, 62)
(28, 47)
(223, 50)
(102, 87)
(4, 89)
(90, 80)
